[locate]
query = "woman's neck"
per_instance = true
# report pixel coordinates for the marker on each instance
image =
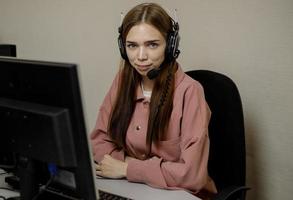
(147, 84)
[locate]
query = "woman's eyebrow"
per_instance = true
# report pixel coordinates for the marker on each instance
(130, 42)
(148, 41)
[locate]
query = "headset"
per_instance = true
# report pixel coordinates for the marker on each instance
(172, 52)
(172, 43)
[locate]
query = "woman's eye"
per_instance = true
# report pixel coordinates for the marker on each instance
(153, 45)
(130, 46)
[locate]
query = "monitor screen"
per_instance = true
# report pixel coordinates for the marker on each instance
(42, 123)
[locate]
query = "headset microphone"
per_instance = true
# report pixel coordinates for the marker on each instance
(153, 73)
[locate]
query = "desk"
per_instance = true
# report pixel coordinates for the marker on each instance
(141, 191)
(124, 188)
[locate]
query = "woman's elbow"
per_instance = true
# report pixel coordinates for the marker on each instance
(190, 180)
(194, 183)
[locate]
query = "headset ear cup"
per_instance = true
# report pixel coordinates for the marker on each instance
(172, 51)
(168, 48)
(122, 47)
(175, 50)
(167, 51)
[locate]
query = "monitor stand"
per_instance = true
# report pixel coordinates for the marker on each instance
(28, 179)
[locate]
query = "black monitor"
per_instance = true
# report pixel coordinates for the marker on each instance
(42, 123)
(8, 50)
(7, 160)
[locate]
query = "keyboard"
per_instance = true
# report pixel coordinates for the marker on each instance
(109, 196)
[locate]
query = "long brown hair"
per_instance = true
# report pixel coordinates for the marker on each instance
(161, 103)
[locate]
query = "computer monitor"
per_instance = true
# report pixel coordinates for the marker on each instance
(42, 122)
(8, 50)
(7, 160)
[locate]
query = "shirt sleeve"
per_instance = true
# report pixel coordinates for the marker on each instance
(100, 140)
(190, 172)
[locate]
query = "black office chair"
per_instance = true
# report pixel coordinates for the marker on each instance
(226, 130)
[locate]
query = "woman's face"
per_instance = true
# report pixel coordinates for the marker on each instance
(145, 48)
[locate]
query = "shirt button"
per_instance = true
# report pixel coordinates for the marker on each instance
(138, 128)
(143, 155)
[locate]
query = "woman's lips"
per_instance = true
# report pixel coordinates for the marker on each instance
(143, 67)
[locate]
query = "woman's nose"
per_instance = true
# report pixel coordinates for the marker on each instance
(142, 54)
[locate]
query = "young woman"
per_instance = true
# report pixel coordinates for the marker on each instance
(153, 124)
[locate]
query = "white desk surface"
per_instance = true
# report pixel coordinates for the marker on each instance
(123, 188)
(141, 191)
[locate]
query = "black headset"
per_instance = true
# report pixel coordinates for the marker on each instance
(171, 52)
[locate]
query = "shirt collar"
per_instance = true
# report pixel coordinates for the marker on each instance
(139, 93)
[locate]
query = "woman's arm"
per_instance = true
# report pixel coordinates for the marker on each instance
(100, 140)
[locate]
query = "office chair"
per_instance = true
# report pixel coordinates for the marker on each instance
(226, 131)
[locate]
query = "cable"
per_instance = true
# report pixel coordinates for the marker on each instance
(43, 188)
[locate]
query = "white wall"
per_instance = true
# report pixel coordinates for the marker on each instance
(251, 41)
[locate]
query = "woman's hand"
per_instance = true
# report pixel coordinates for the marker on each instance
(111, 168)
(128, 158)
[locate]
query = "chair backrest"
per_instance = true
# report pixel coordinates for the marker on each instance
(226, 129)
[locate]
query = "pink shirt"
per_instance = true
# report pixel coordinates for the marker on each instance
(181, 159)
